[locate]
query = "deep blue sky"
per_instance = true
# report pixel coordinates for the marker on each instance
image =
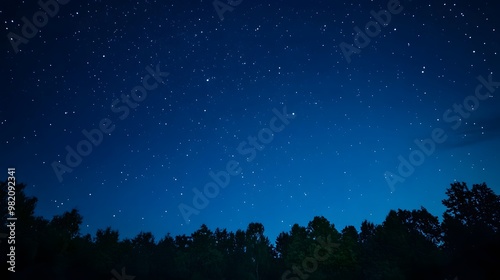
(350, 122)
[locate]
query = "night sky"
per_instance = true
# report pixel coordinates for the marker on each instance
(275, 99)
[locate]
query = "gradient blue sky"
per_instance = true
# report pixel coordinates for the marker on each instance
(351, 120)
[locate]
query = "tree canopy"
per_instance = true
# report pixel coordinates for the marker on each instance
(408, 244)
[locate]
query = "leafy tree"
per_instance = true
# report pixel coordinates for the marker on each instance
(367, 231)
(259, 250)
(205, 258)
(319, 231)
(163, 260)
(107, 251)
(299, 246)
(68, 223)
(478, 207)
(407, 245)
(283, 244)
(321, 227)
(423, 223)
(182, 257)
(347, 254)
(471, 229)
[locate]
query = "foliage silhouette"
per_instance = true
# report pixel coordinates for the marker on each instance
(407, 245)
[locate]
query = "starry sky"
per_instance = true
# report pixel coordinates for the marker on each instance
(309, 117)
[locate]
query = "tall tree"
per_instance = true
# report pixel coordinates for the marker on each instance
(205, 257)
(471, 226)
(142, 253)
(479, 206)
(106, 243)
(259, 250)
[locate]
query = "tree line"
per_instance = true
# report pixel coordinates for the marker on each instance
(407, 245)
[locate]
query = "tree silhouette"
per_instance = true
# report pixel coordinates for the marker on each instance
(409, 244)
(259, 250)
(471, 229)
